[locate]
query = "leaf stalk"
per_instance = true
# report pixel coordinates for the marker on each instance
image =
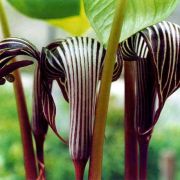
(96, 158)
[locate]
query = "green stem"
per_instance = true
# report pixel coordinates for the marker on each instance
(95, 170)
(25, 128)
(3, 21)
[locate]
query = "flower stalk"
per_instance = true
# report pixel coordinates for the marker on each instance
(25, 128)
(131, 148)
(95, 170)
(39, 123)
(143, 152)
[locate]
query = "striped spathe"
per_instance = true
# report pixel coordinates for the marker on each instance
(76, 63)
(156, 50)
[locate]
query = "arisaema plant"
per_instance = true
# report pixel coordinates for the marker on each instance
(79, 64)
(76, 63)
(156, 55)
(35, 9)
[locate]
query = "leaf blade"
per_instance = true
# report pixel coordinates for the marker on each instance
(76, 25)
(139, 14)
(48, 9)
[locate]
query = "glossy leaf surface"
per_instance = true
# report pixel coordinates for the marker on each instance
(47, 9)
(139, 14)
(76, 25)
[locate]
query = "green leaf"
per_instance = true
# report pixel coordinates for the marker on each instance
(47, 9)
(76, 25)
(139, 14)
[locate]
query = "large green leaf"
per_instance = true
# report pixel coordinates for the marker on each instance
(139, 14)
(76, 25)
(47, 9)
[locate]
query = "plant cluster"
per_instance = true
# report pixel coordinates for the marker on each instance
(150, 56)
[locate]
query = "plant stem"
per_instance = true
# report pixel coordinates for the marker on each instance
(131, 148)
(40, 156)
(95, 170)
(25, 128)
(143, 153)
(28, 151)
(79, 169)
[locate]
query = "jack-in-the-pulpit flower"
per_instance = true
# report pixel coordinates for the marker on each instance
(156, 51)
(12, 47)
(6, 66)
(76, 64)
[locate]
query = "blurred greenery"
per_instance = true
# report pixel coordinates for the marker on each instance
(58, 162)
